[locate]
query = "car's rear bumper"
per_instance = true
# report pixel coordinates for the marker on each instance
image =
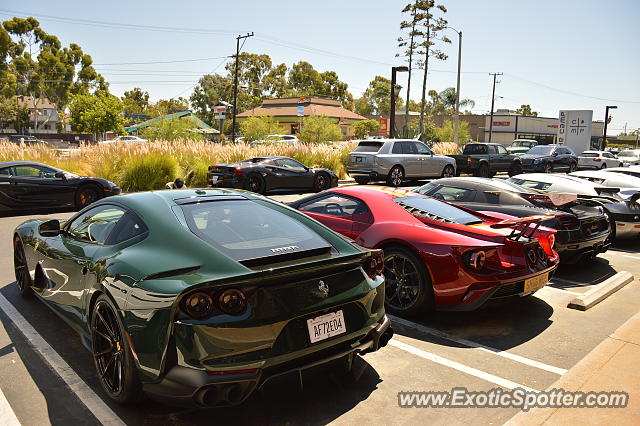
(627, 229)
(369, 173)
(186, 386)
(574, 251)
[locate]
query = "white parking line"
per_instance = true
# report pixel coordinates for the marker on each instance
(471, 344)
(93, 402)
(7, 416)
(460, 367)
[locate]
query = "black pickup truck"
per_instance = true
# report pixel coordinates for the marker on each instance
(487, 159)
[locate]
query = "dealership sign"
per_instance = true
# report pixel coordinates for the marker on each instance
(574, 129)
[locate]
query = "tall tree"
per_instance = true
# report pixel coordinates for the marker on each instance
(42, 67)
(409, 44)
(376, 98)
(167, 106)
(525, 109)
(135, 100)
(210, 91)
(97, 113)
(445, 102)
(275, 84)
(252, 68)
(432, 26)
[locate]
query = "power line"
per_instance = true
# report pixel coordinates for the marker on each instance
(164, 62)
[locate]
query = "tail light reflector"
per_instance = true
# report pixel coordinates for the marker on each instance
(375, 265)
(598, 159)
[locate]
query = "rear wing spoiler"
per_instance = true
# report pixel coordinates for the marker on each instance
(522, 226)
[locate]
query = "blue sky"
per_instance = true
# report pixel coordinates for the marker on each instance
(555, 55)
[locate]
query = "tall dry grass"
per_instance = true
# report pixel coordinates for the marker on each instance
(446, 148)
(150, 165)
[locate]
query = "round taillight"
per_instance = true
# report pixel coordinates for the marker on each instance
(476, 260)
(232, 302)
(552, 240)
(198, 305)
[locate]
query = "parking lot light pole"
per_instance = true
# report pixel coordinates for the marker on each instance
(395, 91)
(457, 121)
(235, 85)
(606, 122)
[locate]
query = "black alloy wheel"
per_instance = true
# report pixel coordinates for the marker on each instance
(396, 176)
(112, 359)
(448, 171)
(483, 171)
(321, 182)
(23, 279)
(515, 169)
(255, 183)
(573, 167)
(604, 166)
(86, 195)
(408, 289)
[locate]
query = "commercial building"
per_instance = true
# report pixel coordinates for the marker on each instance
(288, 112)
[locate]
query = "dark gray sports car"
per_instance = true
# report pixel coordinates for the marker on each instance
(271, 174)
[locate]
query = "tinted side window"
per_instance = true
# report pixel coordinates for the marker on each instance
(95, 225)
(452, 194)
(397, 148)
(129, 226)
(475, 148)
(5, 172)
(335, 205)
(492, 149)
(408, 148)
(422, 148)
(289, 163)
(34, 171)
(502, 150)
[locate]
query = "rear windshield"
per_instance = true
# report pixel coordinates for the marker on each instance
(368, 146)
(244, 229)
(442, 212)
(629, 153)
(590, 154)
(475, 148)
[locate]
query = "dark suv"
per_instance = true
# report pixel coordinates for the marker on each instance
(549, 158)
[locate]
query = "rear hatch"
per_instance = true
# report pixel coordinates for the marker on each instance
(225, 172)
(363, 156)
(589, 159)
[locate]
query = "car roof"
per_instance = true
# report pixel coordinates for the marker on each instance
(500, 184)
(24, 163)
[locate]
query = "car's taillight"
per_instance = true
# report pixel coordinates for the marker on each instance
(374, 266)
(238, 171)
(552, 240)
(232, 301)
(476, 260)
(469, 160)
(198, 305)
(569, 222)
(538, 198)
(597, 159)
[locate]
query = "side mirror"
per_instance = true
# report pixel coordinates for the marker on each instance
(555, 154)
(50, 228)
(60, 175)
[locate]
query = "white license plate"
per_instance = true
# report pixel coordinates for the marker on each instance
(536, 282)
(325, 326)
(214, 178)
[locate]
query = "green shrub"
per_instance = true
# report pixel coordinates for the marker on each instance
(320, 129)
(364, 128)
(254, 128)
(172, 130)
(148, 172)
(446, 132)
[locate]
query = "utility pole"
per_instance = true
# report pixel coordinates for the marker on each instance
(606, 123)
(235, 85)
(493, 98)
(457, 121)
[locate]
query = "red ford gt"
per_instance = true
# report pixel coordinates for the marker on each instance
(438, 255)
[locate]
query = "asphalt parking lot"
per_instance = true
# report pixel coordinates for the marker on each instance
(526, 343)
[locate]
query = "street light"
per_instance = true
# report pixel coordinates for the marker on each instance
(395, 91)
(457, 121)
(606, 121)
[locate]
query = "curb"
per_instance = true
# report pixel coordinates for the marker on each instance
(601, 291)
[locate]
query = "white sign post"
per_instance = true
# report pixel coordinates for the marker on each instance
(574, 129)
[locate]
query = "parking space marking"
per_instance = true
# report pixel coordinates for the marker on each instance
(89, 398)
(505, 383)
(471, 344)
(7, 416)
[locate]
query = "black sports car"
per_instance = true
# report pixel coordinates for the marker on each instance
(273, 173)
(27, 185)
(549, 158)
(582, 225)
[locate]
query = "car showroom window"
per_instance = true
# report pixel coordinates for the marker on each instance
(95, 225)
(34, 171)
(335, 205)
(288, 163)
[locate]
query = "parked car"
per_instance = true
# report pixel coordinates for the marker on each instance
(629, 157)
(28, 185)
(26, 139)
(269, 174)
(394, 160)
(125, 139)
(438, 255)
(521, 146)
(622, 208)
(487, 159)
(597, 160)
(277, 139)
(200, 297)
(630, 171)
(611, 179)
(582, 226)
(549, 158)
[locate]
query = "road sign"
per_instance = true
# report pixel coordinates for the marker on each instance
(300, 110)
(574, 129)
(220, 116)
(220, 109)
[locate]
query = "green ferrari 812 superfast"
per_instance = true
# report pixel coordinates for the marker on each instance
(200, 297)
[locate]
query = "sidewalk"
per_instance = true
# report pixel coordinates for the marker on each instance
(614, 365)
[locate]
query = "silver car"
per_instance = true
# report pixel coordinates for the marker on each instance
(394, 160)
(629, 157)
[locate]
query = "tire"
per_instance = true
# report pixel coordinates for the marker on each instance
(548, 168)
(574, 166)
(406, 298)
(448, 171)
(604, 166)
(483, 170)
(515, 169)
(621, 165)
(321, 182)
(361, 180)
(23, 279)
(395, 176)
(86, 195)
(112, 356)
(612, 225)
(254, 183)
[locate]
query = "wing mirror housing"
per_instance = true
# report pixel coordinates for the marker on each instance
(60, 175)
(50, 228)
(555, 154)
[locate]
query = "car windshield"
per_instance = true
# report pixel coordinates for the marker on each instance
(368, 147)
(628, 153)
(244, 229)
(436, 210)
(541, 150)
